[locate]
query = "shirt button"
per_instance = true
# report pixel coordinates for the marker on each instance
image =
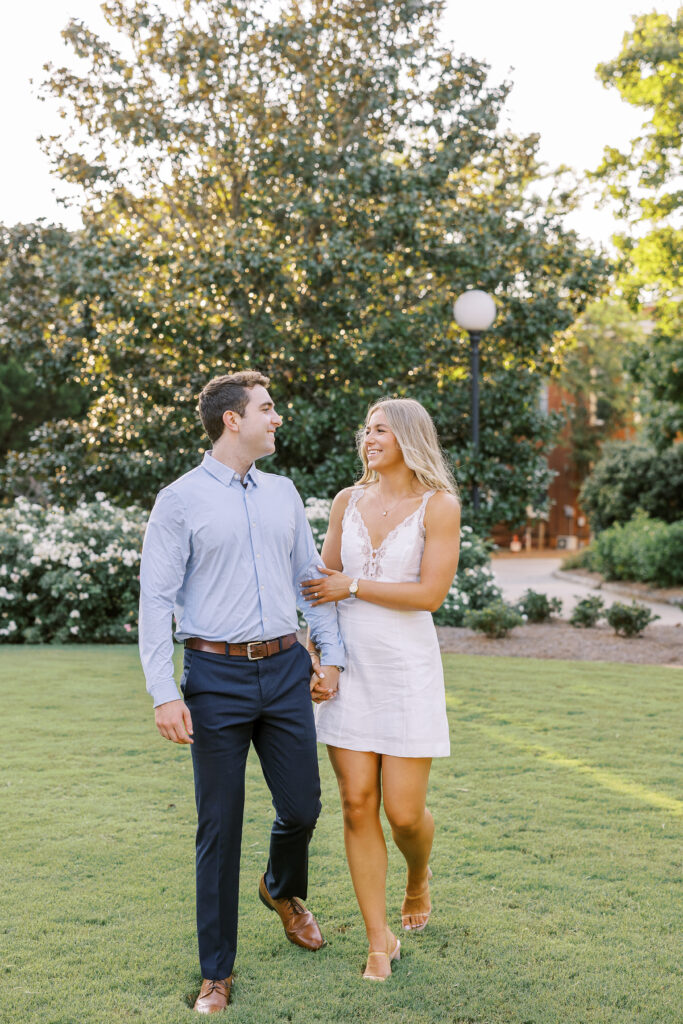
(257, 555)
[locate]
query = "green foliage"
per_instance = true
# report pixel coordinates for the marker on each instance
(603, 342)
(473, 587)
(645, 183)
(646, 550)
(629, 619)
(69, 577)
(42, 323)
(581, 559)
(587, 612)
(495, 621)
(630, 476)
(538, 607)
(305, 195)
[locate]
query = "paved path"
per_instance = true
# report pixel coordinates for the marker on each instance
(515, 574)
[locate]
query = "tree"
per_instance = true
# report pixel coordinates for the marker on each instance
(305, 191)
(606, 339)
(41, 325)
(645, 182)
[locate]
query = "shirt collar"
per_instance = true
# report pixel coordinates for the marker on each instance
(224, 474)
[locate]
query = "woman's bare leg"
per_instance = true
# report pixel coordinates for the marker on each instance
(404, 782)
(358, 775)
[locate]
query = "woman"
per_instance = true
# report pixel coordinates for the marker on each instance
(391, 553)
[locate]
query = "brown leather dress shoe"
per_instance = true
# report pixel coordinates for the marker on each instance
(301, 927)
(213, 995)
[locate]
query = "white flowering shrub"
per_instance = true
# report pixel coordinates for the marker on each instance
(473, 586)
(73, 577)
(70, 576)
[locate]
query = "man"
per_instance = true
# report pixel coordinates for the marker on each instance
(227, 547)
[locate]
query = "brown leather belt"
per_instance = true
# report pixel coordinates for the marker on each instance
(255, 650)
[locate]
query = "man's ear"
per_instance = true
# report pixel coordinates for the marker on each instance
(231, 419)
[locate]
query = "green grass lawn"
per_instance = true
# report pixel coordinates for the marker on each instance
(555, 863)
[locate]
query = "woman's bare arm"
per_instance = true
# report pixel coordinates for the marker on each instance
(437, 569)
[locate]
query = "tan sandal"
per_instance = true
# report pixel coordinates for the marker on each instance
(421, 917)
(378, 967)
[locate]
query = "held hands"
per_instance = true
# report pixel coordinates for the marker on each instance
(324, 680)
(334, 588)
(174, 721)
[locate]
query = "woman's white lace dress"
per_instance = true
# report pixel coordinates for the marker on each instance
(391, 697)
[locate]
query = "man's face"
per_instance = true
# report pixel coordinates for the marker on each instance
(258, 424)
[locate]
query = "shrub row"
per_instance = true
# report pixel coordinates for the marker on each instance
(69, 576)
(72, 577)
(629, 476)
(498, 618)
(644, 550)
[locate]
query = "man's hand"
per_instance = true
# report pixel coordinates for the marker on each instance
(324, 680)
(174, 721)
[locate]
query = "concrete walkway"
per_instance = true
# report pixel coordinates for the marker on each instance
(516, 573)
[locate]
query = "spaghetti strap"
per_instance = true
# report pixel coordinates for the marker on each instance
(352, 502)
(423, 508)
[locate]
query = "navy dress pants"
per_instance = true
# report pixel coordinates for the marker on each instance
(234, 702)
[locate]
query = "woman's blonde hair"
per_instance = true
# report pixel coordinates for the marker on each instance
(416, 434)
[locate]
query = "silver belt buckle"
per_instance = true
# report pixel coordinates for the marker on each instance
(258, 657)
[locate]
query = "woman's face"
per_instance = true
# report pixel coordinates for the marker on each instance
(381, 447)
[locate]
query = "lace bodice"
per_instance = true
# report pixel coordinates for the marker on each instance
(398, 557)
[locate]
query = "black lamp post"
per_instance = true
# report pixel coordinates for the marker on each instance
(475, 311)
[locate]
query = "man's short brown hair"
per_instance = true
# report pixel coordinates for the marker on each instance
(230, 391)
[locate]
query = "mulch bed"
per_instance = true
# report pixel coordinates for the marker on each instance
(659, 645)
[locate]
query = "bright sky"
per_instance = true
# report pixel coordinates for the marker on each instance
(548, 50)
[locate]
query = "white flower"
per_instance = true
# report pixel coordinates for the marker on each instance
(31, 597)
(5, 594)
(3, 570)
(318, 508)
(74, 562)
(74, 630)
(11, 626)
(100, 496)
(15, 577)
(75, 614)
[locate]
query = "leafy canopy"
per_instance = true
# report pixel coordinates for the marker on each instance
(646, 184)
(303, 190)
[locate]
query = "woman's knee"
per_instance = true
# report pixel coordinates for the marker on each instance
(406, 821)
(359, 807)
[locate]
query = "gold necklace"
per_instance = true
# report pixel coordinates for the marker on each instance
(385, 512)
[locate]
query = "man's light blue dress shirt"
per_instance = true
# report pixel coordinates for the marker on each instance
(228, 560)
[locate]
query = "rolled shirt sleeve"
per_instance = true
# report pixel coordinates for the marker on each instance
(165, 554)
